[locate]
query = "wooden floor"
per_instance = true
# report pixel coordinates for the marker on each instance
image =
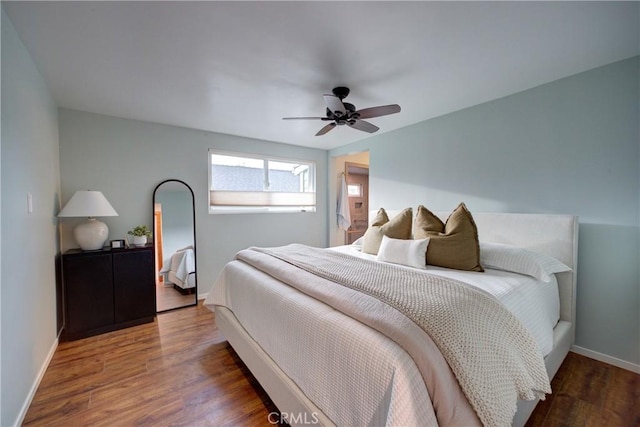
(168, 298)
(179, 371)
(590, 393)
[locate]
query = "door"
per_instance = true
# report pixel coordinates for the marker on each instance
(133, 284)
(88, 284)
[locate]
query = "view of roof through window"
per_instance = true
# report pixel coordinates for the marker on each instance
(247, 162)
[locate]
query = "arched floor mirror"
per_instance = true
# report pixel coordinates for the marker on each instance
(174, 237)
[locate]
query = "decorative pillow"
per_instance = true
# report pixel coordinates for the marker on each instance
(406, 252)
(398, 228)
(520, 260)
(452, 245)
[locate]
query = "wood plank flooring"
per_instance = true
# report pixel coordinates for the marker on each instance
(168, 298)
(590, 393)
(179, 371)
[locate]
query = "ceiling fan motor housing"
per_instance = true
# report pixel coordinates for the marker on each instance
(350, 113)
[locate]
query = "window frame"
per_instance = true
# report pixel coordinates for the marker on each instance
(265, 194)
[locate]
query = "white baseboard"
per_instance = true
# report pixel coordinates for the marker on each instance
(606, 359)
(36, 383)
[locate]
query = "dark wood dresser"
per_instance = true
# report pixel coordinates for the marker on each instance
(107, 289)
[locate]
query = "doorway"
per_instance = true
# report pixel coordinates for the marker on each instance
(338, 172)
(357, 177)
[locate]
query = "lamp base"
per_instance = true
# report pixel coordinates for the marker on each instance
(91, 235)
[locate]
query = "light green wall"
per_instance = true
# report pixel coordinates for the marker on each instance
(30, 164)
(126, 159)
(570, 147)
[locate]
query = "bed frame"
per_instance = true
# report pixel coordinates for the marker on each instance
(554, 235)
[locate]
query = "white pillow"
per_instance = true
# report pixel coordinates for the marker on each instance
(406, 252)
(520, 260)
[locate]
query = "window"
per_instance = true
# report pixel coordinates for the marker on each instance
(254, 183)
(354, 190)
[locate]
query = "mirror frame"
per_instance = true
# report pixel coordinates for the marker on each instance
(195, 253)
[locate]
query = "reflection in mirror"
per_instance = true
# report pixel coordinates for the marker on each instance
(174, 231)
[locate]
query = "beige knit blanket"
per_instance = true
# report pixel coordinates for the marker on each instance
(493, 357)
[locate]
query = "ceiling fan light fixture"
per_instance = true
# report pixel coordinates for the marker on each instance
(344, 113)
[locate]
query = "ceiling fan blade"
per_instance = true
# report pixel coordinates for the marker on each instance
(368, 113)
(363, 126)
(305, 118)
(326, 129)
(335, 105)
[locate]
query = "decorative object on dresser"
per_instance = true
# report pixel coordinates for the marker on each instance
(140, 235)
(107, 290)
(118, 244)
(92, 234)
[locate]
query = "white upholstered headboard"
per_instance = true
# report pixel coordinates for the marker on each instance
(553, 235)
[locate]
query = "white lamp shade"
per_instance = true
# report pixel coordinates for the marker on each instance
(87, 203)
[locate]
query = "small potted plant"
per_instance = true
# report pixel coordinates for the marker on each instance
(140, 235)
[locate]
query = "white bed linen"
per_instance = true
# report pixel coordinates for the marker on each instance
(179, 268)
(326, 352)
(535, 303)
(307, 332)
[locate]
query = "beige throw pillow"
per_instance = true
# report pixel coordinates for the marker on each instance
(398, 228)
(452, 245)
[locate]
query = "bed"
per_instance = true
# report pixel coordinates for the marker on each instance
(317, 363)
(179, 270)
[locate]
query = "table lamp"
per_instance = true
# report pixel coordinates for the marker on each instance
(92, 234)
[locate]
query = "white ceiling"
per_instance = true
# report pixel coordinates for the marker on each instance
(239, 67)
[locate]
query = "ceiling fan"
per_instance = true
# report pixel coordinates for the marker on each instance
(342, 113)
